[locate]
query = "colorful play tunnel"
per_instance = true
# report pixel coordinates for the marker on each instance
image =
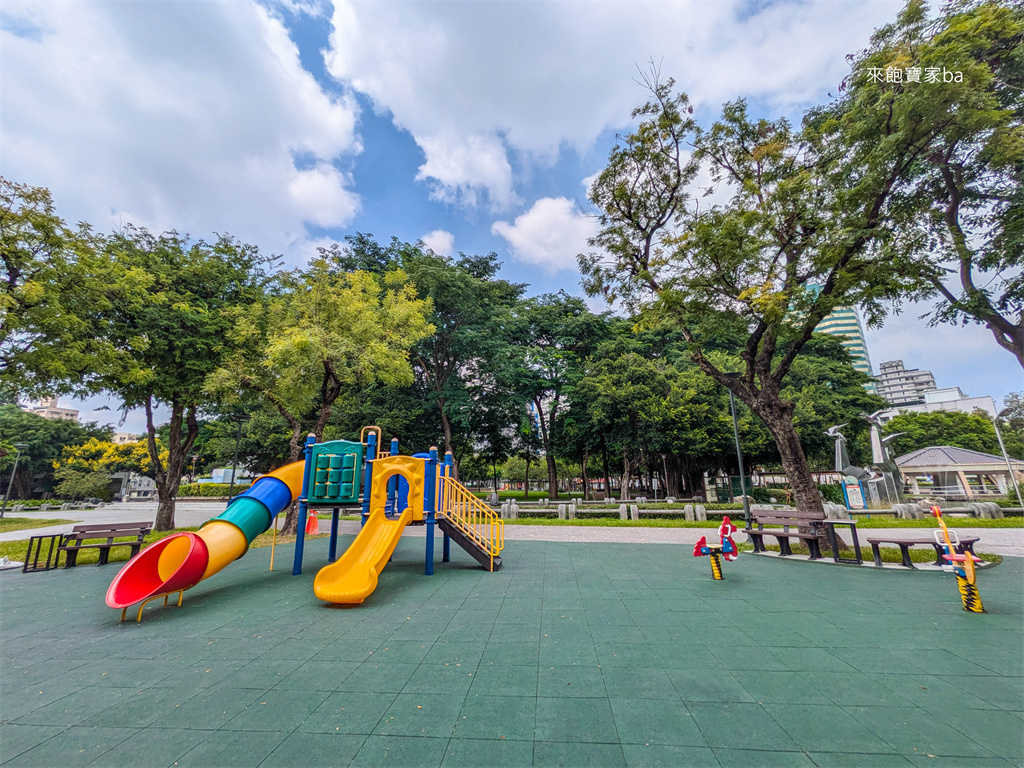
(182, 560)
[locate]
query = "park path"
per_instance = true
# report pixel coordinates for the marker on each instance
(999, 541)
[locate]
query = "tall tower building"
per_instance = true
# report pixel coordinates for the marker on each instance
(900, 386)
(845, 321)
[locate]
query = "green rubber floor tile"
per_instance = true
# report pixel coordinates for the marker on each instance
(414, 714)
(858, 760)
(752, 758)
(151, 748)
(303, 749)
(618, 633)
(276, 710)
(260, 674)
(466, 654)
(936, 661)
(571, 681)
(571, 720)
(667, 756)
(493, 753)
(348, 650)
(653, 721)
(639, 683)
(348, 712)
(35, 673)
(228, 749)
(15, 739)
(740, 726)
(783, 687)
(502, 680)
(617, 655)
(910, 729)
(515, 633)
(378, 677)
(577, 755)
(497, 717)
(937, 694)
(510, 653)
(204, 674)
(999, 732)
(440, 678)
(1005, 693)
(408, 752)
(137, 709)
(859, 690)
(209, 709)
(406, 651)
(73, 708)
(603, 620)
(964, 762)
(318, 676)
(74, 747)
(685, 655)
(874, 661)
(812, 659)
(844, 734)
(560, 654)
(16, 702)
(708, 685)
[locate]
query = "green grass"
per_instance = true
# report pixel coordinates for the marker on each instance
(667, 521)
(22, 523)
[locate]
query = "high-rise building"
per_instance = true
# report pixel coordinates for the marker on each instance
(902, 386)
(845, 321)
(49, 409)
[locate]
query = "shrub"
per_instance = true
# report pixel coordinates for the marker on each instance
(832, 493)
(207, 490)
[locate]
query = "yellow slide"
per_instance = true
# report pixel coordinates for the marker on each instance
(353, 577)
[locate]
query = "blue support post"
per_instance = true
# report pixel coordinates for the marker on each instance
(371, 454)
(333, 549)
(300, 537)
(429, 491)
(393, 483)
(446, 472)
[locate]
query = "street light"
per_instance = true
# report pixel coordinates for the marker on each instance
(241, 419)
(1013, 477)
(18, 448)
(739, 453)
(192, 474)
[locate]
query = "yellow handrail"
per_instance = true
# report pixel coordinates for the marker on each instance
(471, 516)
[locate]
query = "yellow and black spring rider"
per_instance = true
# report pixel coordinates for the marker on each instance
(962, 565)
(727, 548)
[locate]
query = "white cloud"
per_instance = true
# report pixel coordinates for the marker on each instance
(189, 116)
(440, 242)
(549, 235)
(479, 83)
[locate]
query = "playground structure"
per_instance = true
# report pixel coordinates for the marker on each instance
(726, 548)
(961, 564)
(396, 491)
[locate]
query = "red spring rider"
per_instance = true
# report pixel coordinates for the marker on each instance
(727, 547)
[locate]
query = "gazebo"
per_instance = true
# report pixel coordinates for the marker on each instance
(957, 474)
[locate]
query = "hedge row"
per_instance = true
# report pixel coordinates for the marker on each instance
(204, 490)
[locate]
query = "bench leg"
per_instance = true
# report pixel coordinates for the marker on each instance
(877, 555)
(905, 553)
(938, 555)
(815, 549)
(70, 558)
(784, 549)
(104, 556)
(757, 540)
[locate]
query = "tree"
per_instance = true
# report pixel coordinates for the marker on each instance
(802, 234)
(557, 333)
(56, 283)
(46, 440)
(973, 431)
(176, 337)
(962, 198)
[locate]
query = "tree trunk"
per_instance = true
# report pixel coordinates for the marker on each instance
(626, 478)
(583, 474)
(168, 477)
(604, 468)
(552, 477)
(526, 485)
(446, 426)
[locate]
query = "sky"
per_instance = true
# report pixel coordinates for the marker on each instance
(473, 127)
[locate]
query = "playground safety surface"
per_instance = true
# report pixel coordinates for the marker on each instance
(573, 654)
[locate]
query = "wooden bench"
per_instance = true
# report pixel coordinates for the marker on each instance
(786, 520)
(966, 544)
(76, 540)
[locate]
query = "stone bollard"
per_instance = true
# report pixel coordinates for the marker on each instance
(635, 510)
(513, 510)
(561, 511)
(670, 500)
(572, 510)
(688, 512)
(700, 512)
(641, 499)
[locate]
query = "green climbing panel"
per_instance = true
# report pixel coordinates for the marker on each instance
(335, 475)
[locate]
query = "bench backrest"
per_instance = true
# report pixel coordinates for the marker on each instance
(790, 517)
(108, 531)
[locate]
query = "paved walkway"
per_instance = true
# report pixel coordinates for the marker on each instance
(998, 541)
(574, 654)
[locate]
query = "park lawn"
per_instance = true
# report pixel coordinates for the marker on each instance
(669, 521)
(21, 523)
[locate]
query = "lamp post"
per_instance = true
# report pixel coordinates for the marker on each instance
(18, 448)
(1009, 468)
(192, 474)
(241, 419)
(739, 452)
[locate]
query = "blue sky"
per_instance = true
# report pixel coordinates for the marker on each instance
(291, 123)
